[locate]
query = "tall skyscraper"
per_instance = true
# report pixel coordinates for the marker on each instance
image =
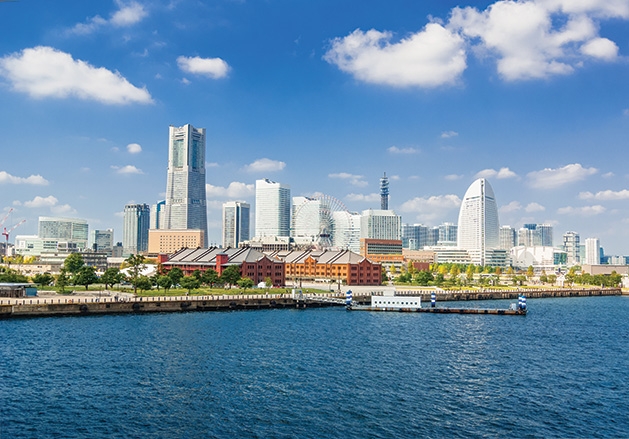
(592, 251)
(135, 231)
(186, 205)
(236, 215)
(384, 192)
(272, 208)
(478, 220)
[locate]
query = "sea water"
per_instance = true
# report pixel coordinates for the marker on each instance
(560, 371)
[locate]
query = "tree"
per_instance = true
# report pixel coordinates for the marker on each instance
(144, 283)
(9, 275)
(423, 278)
(268, 282)
(86, 276)
(197, 274)
(136, 266)
(530, 272)
(614, 279)
(231, 275)
(190, 283)
(175, 274)
(111, 276)
(73, 263)
(245, 283)
(165, 282)
(454, 271)
(498, 271)
(210, 277)
(43, 280)
(62, 280)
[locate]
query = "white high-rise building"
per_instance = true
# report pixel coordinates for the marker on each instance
(592, 251)
(380, 224)
(71, 230)
(571, 245)
(507, 237)
(478, 230)
(272, 208)
(236, 217)
(186, 205)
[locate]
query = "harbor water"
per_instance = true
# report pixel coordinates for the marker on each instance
(560, 371)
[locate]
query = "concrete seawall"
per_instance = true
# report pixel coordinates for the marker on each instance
(511, 294)
(59, 306)
(70, 305)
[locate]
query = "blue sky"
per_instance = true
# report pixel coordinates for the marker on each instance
(324, 96)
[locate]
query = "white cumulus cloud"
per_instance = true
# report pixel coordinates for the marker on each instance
(549, 178)
(453, 177)
(354, 180)
(601, 48)
(38, 201)
(513, 206)
(582, 211)
(396, 150)
(500, 174)
(127, 15)
(449, 134)
(265, 165)
(128, 169)
(528, 39)
(534, 207)
(134, 148)
(36, 180)
(370, 198)
(45, 72)
(605, 195)
(214, 68)
(235, 189)
(431, 208)
(538, 38)
(431, 57)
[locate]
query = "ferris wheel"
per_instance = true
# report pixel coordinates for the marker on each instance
(322, 218)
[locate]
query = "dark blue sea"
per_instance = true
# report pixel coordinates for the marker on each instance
(561, 371)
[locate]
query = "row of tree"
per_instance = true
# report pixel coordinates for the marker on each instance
(450, 274)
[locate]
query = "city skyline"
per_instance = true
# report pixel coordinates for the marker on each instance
(543, 113)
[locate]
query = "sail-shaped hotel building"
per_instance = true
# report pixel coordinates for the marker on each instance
(478, 226)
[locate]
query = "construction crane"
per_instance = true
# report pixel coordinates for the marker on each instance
(8, 231)
(6, 216)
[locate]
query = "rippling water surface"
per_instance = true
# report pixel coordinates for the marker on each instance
(561, 371)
